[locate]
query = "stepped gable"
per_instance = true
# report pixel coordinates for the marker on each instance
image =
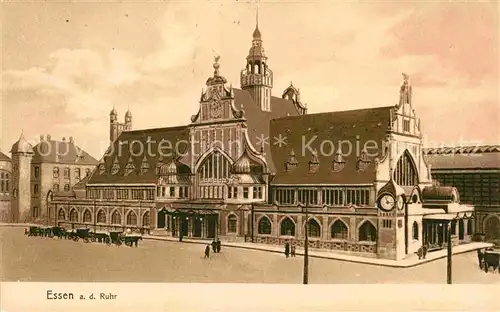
(62, 152)
(369, 124)
(258, 120)
(4, 157)
(174, 135)
(469, 157)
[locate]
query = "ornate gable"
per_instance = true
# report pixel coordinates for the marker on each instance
(144, 165)
(129, 168)
(116, 166)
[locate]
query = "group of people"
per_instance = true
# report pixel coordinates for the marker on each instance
(216, 247)
(422, 251)
(289, 249)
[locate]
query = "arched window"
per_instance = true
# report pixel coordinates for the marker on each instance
(87, 171)
(215, 166)
(145, 219)
(367, 232)
(87, 217)
(492, 228)
(415, 230)
(66, 173)
(77, 173)
(73, 215)
(339, 230)
(66, 187)
(231, 224)
(314, 230)
(287, 227)
(55, 188)
(461, 229)
(131, 218)
(101, 217)
(61, 215)
(55, 172)
(116, 218)
(264, 226)
(405, 173)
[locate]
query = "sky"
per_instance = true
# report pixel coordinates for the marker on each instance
(65, 65)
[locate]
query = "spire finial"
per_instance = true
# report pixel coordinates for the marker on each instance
(256, 33)
(216, 65)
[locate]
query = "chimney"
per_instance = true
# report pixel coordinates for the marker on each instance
(64, 139)
(42, 137)
(48, 137)
(71, 140)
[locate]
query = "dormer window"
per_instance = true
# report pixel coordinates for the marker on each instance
(144, 165)
(292, 162)
(338, 162)
(102, 168)
(363, 162)
(130, 167)
(314, 162)
(116, 166)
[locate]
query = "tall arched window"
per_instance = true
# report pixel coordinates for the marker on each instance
(415, 230)
(145, 219)
(469, 227)
(314, 230)
(339, 230)
(55, 172)
(61, 215)
(264, 226)
(101, 217)
(492, 228)
(73, 215)
(216, 166)
(231, 224)
(131, 218)
(116, 218)
(367, 232)
(87, 216)
(66, 187)
(406, 173)
(287, 227)
(461, 229)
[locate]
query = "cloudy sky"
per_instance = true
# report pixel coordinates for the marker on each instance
(64, 65)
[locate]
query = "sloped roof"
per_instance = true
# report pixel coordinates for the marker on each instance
(355, 126)
(61, 152)
(258, 121)
(438, 193)
(21, 146)
(470, 157)
(158, 146)
(4, 157)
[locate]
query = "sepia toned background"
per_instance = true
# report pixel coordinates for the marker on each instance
(64, 65)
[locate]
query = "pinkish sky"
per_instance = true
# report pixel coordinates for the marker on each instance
(64, 65)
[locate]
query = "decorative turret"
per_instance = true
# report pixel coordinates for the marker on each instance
(314, 162)
(242, 165)
(338, 162)
(257, 78)
(128, 121)
(113, 115)
(405, 91)
(22, 153)
(115, 127)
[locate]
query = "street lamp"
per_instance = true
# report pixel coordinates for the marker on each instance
(305, 278)
(449, 249)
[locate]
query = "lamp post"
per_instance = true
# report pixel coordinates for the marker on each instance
(448, 261)
(305, 278)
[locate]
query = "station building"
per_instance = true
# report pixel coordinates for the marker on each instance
(249, 166)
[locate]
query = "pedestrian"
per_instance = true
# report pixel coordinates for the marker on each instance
(293, 250)
(424, 250)
(287, 249)
(420, 252)
(214, 246)
(480, 256)
(207, 252)
(219, 246)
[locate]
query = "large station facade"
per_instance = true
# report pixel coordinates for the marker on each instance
(250, 166)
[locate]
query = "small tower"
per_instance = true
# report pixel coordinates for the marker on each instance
(22, 153)
(113, 125)
(128, 121)
(257, 78)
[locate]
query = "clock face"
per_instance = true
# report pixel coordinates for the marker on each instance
(400, 202)
(386, 202)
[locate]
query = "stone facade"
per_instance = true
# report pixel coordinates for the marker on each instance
(5, 188)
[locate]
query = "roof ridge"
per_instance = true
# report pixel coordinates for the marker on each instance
(466, 149)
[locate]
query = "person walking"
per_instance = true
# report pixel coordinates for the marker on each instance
(214, 246)
(287, 249)
(218, 245)
(207, 252)
(293, 250)
(480, 257)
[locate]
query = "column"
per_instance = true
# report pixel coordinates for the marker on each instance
(466, 224)
(352, 229)
(276, 226)
(324, 234)
(300, 232)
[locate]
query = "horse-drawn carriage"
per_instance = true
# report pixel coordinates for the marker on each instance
(77, 234)
(42, 231)
(491, 259)
(129, 239)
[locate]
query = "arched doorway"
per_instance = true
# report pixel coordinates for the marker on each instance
(197, 226)
(161, 218)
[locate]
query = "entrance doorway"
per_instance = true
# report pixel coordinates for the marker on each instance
(184, 226)
(211, 226)
(197, 226)
(161, 219)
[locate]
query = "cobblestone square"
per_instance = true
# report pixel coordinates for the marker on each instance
(52, 260)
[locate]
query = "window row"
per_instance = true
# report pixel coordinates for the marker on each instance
(338, 230)
(163, 191)
(331, 197)
(101, 217)
(474, 189)
(67, 172)
(135, 194)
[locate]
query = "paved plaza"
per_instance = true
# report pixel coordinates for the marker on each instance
(53, 260)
